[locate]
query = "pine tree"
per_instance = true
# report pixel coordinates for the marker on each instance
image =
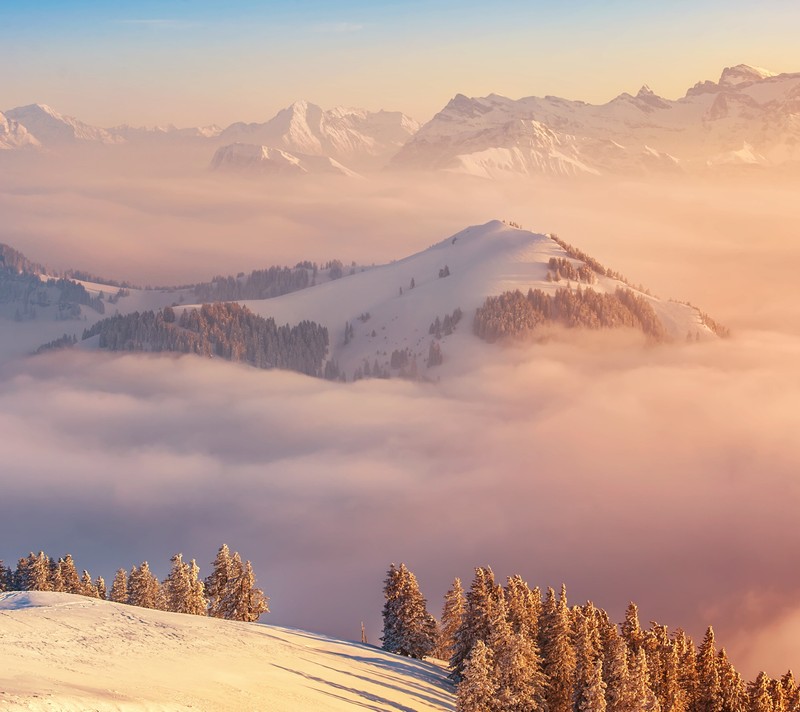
(33, 573)
(100, 588)
(759, 694)
(143, 587)
(217, 580)
(119, 587)
(589, 691)
(452, 615)
(176, 586)
(619, 686)
(408, 628)
(523, 607)
(631, 630)
(87, 585)
(687, 666)
(558, 655)
(56, 578)
(643, 697)
(197, 604)
(477, 689)
(241, 599)
(483, 596)
(518, 671)
(733, 695)
(709, 698)
(69, 574)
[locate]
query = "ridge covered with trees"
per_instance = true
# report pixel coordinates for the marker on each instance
(513, 650)
(229, 331)
(229, 592)
(515, 314)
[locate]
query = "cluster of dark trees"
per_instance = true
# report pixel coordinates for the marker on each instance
(229, 592)
(515, 314)
(513, 650)
(559, 268)
(259, 284)
(13, 261)
(447, 325)
(62, 342)
(229, 331)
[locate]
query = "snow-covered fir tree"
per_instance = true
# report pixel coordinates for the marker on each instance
(119, 587)
(143, 587)
(452, 615)
(589, 692)
(709, 698)
(217, 580)
(733, 694)
(483, 597)
(69, 574)
(523, 606)
(477, 689)
(760, 695)
(558, 654)
(408, 628)
(241, 599)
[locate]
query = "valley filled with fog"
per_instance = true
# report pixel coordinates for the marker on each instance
(664, 474)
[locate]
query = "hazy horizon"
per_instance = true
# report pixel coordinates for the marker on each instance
(141, 64)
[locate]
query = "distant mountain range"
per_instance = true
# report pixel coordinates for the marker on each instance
(750, 118)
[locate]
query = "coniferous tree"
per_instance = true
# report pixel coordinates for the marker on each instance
(733, 694)
(708, 698)
(482, 598)
(100, 588)
(589, 691)
(69, 574)
(119, 587)
(477, 689)
(521, 684)
(452, 615)
(143, 588)
(176, 586)
(687, 664)
(760, 694)
(56, 578)
(619, 686)
(197, 604)
(241, 599)
(558, 654)
(87, 585)
(217, 580)
(523, 607)
(644, 699)
(408, 628)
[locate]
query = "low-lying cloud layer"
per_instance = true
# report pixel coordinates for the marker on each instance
(666, 476)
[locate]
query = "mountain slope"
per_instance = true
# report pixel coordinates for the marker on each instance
(386, 314)
(249, 158)
(14, 135)
(68, 652)
(630, 133)
(352, 136)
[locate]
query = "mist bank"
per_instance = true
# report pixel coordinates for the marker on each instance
(662, 475)
(728, 245)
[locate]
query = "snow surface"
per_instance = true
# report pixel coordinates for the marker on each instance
(69, 653)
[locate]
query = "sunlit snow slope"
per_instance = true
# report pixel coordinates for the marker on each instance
(483, 260)
(64, 652)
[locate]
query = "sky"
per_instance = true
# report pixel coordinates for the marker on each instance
(204, 62)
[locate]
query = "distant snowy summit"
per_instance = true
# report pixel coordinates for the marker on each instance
(51, 128)
(750, 116)
(249, 158)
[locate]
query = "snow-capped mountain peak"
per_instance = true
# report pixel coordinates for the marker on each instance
(51, 128)
(247, 157)
(743, 74)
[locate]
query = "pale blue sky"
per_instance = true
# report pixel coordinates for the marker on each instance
(197, 62)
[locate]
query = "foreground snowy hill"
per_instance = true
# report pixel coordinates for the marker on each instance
(750, 116)
(65, 652)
